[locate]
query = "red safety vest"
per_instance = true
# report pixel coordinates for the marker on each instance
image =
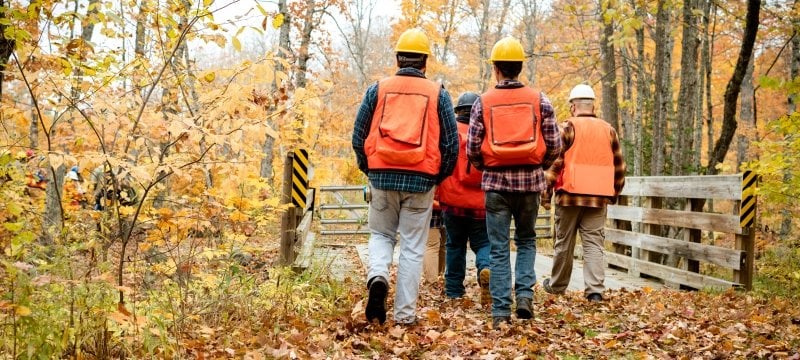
(463, 188)
(513, 120)
(589, 162)
(404, 133)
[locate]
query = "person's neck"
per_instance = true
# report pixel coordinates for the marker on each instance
(583, 113)
(503, 78)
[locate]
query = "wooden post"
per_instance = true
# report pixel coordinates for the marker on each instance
(286, 197)
(288, 222)
(747, 209)
(693, 235)
(746, 242)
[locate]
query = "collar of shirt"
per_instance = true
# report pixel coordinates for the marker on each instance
(509, 84)
(409, 71)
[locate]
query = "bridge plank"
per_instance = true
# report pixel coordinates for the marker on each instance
(725, 187)
(728, 258)
(669, 274)
(679, 218)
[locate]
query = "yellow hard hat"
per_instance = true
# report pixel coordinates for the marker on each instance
(507, 49)
(413, 41)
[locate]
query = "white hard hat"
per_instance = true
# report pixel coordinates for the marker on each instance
(581, 91)
(72, 175)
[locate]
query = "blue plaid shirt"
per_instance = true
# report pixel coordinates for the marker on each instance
(399, 180)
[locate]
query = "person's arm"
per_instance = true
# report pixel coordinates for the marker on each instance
(475, 135)
(448, 136)
(362, 125)
(619, 165)
(550, 133)
(567, 135)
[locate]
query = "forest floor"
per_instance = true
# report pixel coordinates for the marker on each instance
(646, 323)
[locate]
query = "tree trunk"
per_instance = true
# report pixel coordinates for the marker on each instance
(794, 72)
(702, 78)
(746, 115)
(642, 95)
(663, 96)
(483, 47)
(6, 46)
(141, 20)
(628, 133)
(709, 102)
(530, 18)
(305, 42)
(688, 90)
(610, 106)
(283, 51)
(734, 86)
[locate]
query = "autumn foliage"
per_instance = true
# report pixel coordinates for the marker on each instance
(177, 115)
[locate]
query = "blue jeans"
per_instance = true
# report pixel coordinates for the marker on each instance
(500, 208)
(461, 230)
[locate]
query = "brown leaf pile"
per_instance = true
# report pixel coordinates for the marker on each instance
(660, 324)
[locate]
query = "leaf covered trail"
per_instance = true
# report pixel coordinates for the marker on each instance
(645, 323)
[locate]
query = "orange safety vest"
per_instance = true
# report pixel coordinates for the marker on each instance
(404, 133)
(588, 163)
(513, 120)
(463, 188)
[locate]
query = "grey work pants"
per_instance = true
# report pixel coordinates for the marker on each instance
(408, 215)
(589, 222)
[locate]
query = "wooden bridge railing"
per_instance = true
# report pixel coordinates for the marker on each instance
(668, 244)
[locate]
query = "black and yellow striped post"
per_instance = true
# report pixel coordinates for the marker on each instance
(747, 211)
(746, 240)
(300, 178)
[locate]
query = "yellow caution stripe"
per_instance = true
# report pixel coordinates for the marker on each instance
(300, 178)
(747, 211)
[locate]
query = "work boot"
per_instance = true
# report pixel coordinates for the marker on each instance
(376, 303)
(548, 289)
(594, 297)
(524, 308)
(483, 281)
(497, 320)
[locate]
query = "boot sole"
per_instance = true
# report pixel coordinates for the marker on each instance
(483, 279)
(376, 303)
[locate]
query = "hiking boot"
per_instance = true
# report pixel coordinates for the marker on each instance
(376, 303)
(594, 297)
(483, 281)
(524, 308)
(497, 320)
(548, 289)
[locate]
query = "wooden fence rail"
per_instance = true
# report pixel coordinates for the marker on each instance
(343, 211)
(668, 243)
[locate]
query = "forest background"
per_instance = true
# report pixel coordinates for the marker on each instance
(193, 106)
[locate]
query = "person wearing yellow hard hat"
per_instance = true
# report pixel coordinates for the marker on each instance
(512, 137)
(587, 176)
(406, 141)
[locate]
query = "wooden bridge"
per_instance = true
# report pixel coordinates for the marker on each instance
(659, 234)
